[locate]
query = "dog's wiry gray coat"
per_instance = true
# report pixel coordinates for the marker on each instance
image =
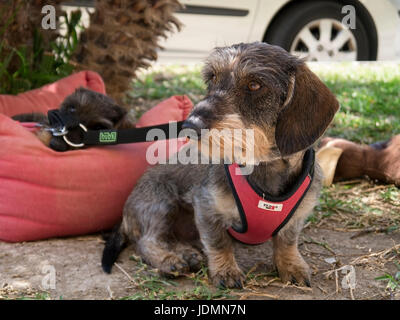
(254, 86)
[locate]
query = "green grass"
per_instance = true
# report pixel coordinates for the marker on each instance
(31, 296)
(392, 281)
(369, 95)
(150, 285)
(168, 81)
(37, 296)
(359, 205)
(391, 195)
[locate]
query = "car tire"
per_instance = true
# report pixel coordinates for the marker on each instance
(286, 27)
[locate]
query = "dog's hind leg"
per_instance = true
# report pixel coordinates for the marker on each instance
(153, 242)
(153, 215)
(153, 208)
(191, 255)
(159, 255)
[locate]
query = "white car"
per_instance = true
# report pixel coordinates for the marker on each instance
(320, 30)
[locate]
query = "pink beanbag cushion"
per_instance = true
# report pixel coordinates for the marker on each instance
(44, 193)
(50, 96)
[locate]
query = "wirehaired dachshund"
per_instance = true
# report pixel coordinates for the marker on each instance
(253, 86)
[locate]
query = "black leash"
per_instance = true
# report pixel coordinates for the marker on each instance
(102, 137)
(61, 125)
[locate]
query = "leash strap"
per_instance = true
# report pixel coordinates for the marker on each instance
(110, 137)
(61, 124)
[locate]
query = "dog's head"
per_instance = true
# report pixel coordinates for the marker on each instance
(262, 87)
(94, 110)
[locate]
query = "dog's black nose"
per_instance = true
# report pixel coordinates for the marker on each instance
(196, 125)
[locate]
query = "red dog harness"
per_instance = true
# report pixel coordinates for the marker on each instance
(262, 216)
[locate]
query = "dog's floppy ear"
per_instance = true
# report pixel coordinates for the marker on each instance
(116, 118)
(117, 113)
(308, 110)
(106, 118)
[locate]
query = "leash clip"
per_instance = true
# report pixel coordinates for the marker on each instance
(75, 145)
(58, 132)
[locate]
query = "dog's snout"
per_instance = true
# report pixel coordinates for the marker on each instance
(201, 117)
(194, 123)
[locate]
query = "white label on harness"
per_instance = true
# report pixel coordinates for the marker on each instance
(270, 206)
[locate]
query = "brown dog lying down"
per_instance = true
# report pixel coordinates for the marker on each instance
(94, 110)
(380, 161)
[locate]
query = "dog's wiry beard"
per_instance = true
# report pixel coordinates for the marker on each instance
(231, 141)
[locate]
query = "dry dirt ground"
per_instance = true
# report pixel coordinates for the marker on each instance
(69, 268)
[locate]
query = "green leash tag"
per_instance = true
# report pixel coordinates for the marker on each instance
(108, 137)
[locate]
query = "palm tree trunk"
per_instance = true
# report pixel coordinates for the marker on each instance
(122, 37)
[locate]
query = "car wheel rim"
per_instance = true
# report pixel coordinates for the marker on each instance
(325, 40)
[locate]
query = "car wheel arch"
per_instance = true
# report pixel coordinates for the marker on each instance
(361, 10)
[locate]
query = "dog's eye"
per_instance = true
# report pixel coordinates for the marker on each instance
(254, 85)
(72, 109)
(214, 78)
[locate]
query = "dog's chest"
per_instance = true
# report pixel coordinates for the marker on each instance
(225, 206)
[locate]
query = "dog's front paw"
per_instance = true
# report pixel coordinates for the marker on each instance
(228, 278)
(295, 271)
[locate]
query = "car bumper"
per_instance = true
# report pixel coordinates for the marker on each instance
(387, 21)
